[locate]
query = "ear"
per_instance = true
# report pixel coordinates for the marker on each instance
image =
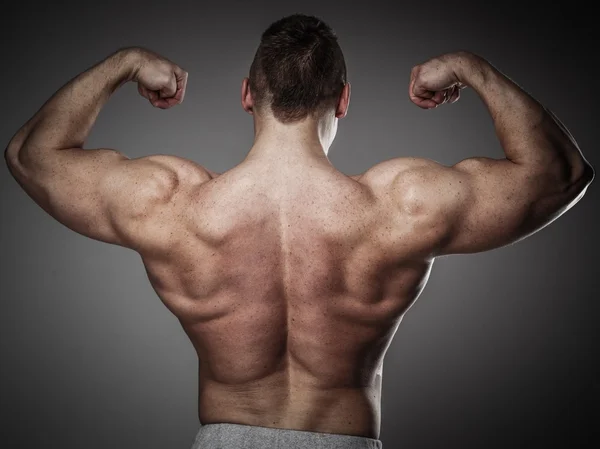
(344, 102)
(247, 102)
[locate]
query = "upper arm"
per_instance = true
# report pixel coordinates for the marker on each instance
(482, 203)
(498, 202)
(103, 194)
(487, 203)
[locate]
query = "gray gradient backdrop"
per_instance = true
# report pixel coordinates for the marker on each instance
(500, 351)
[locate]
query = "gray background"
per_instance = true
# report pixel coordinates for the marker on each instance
(500, 350)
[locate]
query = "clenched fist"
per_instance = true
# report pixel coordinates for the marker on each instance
(435, 81)
(159, 80)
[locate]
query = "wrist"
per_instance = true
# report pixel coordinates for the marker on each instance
(128, 62)
(470, 69)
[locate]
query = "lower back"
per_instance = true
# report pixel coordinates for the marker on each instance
(284, 401)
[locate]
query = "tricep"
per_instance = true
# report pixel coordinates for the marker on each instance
(491, 203)
(479, 203)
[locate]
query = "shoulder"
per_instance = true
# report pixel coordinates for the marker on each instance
(416, 185)
(149, 193)
(388, 172)
(180, 168)
(162, 175)
(145, 184)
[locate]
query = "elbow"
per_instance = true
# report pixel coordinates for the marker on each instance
(12, 158)
(565, 177)
(11, 155)
(580, 182)
(578, 173)
(588, 174)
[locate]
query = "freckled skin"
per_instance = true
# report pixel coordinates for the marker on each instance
(291, 289)
(290, 279)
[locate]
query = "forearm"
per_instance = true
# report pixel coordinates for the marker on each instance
(66, 119)
(529, 133)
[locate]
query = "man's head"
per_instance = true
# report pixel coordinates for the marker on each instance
(298, 72)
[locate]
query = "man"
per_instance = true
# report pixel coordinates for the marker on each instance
(289, 277)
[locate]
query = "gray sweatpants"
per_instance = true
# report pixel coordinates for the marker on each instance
(237, 436)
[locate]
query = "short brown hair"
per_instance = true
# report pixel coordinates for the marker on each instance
(298, 69)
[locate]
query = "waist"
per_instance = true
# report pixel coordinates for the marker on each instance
(342, 411)
(239, 435)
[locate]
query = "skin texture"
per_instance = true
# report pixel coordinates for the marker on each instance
(289, 277)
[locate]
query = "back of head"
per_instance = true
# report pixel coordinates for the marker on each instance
(298, 70)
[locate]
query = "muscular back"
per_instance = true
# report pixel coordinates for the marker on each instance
(290, 283)
(291, 278)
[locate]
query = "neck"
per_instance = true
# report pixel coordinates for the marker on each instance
(306, 140)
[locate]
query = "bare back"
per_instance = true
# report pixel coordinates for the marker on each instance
(291, 279)
(290, 286)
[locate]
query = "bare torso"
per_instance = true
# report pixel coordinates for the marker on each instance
(291, 278)
(290, 283)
